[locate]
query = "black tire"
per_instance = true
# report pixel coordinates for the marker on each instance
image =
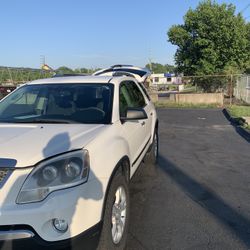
(106, 241)
(152, 155)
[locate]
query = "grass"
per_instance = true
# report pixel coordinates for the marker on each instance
(239, 111)
(168, 104)
(191, 89)
(247, 127)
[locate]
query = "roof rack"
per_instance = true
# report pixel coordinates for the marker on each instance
(123, 73)
(120, 65)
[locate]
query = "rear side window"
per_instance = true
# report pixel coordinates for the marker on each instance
(144, 90)
(130, 97)
(136, 95)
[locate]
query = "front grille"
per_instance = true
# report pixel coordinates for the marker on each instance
(3, 175)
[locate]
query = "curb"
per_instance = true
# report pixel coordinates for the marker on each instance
(239, 129)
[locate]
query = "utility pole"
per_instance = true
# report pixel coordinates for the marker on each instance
(10, 75)
(150, 64)
(150, 60)
(231, 89)
(42, 60)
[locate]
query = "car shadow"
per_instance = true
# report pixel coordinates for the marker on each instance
(208, 200)
(61, 142)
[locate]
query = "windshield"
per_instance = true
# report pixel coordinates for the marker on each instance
(59, 103)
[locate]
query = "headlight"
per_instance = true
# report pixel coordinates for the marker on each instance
(57, 173)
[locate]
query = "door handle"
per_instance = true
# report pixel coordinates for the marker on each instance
(143, 123)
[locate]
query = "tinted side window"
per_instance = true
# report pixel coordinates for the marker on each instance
(144, 90)
(136, 95)
(130, 97)
(125, 100)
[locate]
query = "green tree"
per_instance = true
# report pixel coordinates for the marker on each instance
(82, 71)
(160, 68)
(85, 70)
(247, 71)
(212, 39)
(64, 70)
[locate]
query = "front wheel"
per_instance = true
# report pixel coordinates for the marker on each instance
(116, 215)
(152, 155)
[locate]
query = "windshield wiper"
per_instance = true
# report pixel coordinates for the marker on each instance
(52, 121)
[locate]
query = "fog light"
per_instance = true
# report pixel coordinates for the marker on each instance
(60, 225)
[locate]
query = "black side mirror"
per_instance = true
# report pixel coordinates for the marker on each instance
(134, 114)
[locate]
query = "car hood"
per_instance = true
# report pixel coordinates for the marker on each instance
(27, 144)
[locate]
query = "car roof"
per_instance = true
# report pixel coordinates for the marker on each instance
(81, 79)
(73, 79)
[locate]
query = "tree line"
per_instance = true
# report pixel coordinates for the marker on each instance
(213, 40)
(19, 75)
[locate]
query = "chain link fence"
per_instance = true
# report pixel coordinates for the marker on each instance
(10, 76)
(235, 88)
(198, 84)
(242, 89)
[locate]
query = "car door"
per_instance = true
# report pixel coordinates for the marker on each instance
(135, 131)
(149, 109)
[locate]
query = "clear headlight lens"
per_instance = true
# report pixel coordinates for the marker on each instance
(57, 173)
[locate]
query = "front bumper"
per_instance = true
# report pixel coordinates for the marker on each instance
(25, 238)
(80, 207)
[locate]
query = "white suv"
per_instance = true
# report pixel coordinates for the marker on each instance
(68, 149)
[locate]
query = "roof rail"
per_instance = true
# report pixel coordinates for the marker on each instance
(120, 65)
(65, 75)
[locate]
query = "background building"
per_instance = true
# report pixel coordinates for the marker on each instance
(165, 78)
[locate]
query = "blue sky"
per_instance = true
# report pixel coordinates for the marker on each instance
(97, 33)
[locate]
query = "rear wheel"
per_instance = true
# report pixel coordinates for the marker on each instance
(116, 215)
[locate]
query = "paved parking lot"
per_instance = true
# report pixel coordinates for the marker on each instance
(198, 197)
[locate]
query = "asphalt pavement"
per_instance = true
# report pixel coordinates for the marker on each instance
(198, 196)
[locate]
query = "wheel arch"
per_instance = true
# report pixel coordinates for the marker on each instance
(155, 128)
(123, 165)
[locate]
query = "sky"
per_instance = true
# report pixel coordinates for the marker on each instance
(91, 34)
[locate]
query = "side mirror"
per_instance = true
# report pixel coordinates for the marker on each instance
(134, 114)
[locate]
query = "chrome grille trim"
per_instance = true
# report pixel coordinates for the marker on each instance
(15, 235)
